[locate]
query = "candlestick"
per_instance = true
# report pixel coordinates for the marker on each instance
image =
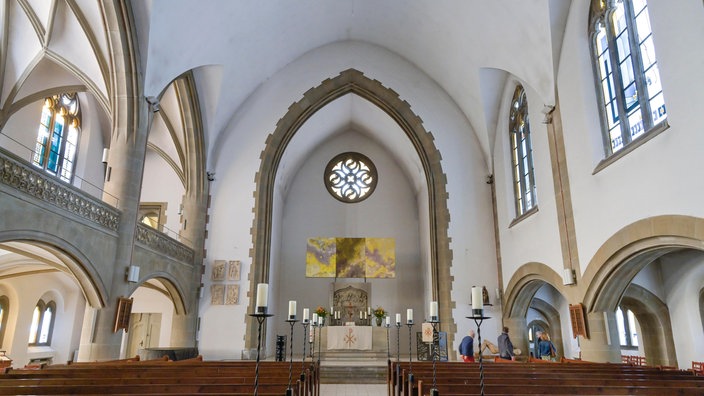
(291, 310)
(262, 297)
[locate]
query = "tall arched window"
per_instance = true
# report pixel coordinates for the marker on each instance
(629, 86)
(4, 313)
(55, 150)
(42, 326)
(522, 153)
(627, 330)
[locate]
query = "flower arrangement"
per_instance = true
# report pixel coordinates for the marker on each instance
(321, 312)
(379, 312)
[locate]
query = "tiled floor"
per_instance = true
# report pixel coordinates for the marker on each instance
(352, 390)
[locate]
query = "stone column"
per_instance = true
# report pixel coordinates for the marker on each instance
(518, 333)
(123, 181)
(603, 343)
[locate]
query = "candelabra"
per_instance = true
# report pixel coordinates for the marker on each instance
(292, 321)
(261, 316)
(410, 353)
(478, 317)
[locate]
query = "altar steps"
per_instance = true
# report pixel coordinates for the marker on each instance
(352, 374)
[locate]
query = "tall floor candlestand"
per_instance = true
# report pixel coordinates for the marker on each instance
(410, 354)
(305, 324)
(320, 336)
(398, 351)
(289, 390)
(312, 342)
(478, 319)
(388, 349)
(261, 317)
(436, 340)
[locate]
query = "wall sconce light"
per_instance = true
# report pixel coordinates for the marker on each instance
(106, 155)
(133, 274)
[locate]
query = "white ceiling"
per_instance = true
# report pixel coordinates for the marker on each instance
(467, 47)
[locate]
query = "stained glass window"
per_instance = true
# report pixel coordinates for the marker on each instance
(57, 138)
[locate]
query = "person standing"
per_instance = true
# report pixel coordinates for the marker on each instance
(538, 335)
(547, 348)
(467, 347)
(505, 346)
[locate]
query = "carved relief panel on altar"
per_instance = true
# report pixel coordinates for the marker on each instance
(349, 299)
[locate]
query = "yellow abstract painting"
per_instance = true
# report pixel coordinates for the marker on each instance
(351, 258)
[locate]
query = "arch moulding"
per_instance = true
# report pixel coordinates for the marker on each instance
(354, 81)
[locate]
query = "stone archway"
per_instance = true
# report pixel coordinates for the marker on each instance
(353, 81)
(654, 319)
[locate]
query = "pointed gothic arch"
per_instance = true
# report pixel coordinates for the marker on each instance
(354, 81)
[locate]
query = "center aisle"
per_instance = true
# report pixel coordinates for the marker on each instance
(353, 390)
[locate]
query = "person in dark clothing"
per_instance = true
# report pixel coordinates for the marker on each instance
(467, 347)
(505, 346)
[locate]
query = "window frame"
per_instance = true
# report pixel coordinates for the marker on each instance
(518, 179)
(5, 307)
(36, 333)
(601, 17)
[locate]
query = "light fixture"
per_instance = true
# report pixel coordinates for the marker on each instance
(133, 274)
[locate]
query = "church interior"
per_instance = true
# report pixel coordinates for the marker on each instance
(160, 160)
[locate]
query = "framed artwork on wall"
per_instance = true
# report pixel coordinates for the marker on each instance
(218, 271)
(233, 270)
(232, 294)
(217, 294)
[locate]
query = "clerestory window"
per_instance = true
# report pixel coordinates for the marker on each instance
(629, 86)
(57, 139)
(521, 153)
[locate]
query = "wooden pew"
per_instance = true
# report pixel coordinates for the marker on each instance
(163, 377)
(574, 379)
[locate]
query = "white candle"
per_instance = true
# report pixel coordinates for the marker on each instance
(315, 318)
(369, 310)
(433, 309)
(262, 294)
(321, 320)
(398, 318)
(360, 314)
(477, 299)
(292, 309)
(306, 315)
(388, 321)
(365, 315)
(409, 315)
(332, 310)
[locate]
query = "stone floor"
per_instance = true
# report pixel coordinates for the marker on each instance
(353, 390)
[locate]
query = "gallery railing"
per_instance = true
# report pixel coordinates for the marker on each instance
(163, 244)
(23, 177)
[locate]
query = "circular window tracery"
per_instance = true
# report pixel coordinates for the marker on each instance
(350, 177)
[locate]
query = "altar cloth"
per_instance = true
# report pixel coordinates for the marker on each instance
(349, 337)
